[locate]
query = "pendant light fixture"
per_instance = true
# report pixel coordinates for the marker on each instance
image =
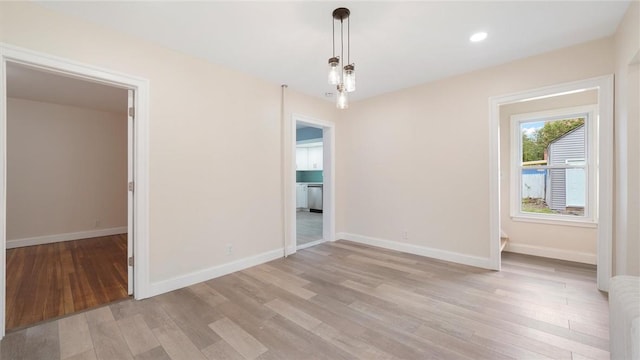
(344, 77)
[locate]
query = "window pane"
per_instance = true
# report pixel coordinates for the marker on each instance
(532, 149)
(534, 191)
(575, 190)
(554, 191)
(552, 142)
(553, 164)
(556, 142)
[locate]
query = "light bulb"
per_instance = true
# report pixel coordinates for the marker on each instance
(342, 100)
(477, 37)
(334, 71)
(350, 78)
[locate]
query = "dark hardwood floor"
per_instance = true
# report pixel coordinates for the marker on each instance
(342, 300)
(52, 280)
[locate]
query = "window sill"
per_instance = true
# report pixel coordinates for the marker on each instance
(561, 222)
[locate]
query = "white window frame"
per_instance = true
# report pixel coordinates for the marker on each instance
(590, 217)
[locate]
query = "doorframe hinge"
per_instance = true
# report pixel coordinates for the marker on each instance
(130, 186)
(130, 260)
(132, 112)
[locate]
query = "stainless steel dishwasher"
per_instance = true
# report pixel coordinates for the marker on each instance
(315, 197)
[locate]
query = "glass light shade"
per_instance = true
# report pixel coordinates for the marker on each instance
(350, 78)
(342, 100)
(334, 71)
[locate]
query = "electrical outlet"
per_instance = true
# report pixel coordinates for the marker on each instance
(229, 249)
(405, 235)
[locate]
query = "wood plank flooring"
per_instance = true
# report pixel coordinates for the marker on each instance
(51, 280)
(344, 300)
(308, 227)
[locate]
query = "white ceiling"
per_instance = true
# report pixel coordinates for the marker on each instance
(395, 44)
(33, 84)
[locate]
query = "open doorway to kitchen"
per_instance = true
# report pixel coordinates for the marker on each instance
(309, 184)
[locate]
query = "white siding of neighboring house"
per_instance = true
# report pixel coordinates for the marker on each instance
(570, 146)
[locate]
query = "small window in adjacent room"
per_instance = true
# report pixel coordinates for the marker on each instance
(553, 166)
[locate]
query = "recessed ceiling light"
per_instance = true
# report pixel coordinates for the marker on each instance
(479, 36)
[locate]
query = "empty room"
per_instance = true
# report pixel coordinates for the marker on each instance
(290, 180)
(66, 195)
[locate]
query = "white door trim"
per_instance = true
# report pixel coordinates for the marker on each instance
(10, 53)
(328, 189)
(604, 85)
(131, 106)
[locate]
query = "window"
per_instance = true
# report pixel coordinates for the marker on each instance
(553, 167)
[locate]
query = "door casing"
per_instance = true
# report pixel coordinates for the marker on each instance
(604, 85)
(70, 68)
(328, 190)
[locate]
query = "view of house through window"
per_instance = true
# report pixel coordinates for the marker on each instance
(553, 164)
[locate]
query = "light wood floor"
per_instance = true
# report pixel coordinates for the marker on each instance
(308, 227)
(51, 280)
(346, 301)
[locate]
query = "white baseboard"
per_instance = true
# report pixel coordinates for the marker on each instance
(419, 250)
(48, 239)
(195, 277)
(547, 252)
(310, 244)
(341, 236)
(291, 250)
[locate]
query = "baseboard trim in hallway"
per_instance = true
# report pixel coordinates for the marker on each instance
(576, 256)
(459, 258)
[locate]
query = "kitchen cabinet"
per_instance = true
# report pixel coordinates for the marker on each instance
(315, 158)
(302, 196)
(302, 158)
(309, 156)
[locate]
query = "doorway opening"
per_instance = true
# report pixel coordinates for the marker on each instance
(310, 211)
(67, 217)
(309, 185)
(551, 174)
(135, 152)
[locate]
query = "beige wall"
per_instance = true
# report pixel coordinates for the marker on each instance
(418, 159)
(627, 144)
(414, 160)
(569, 242)
(66, 169)
(211, 131)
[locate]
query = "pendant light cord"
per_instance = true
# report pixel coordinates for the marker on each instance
(348, 40)
(333, 39)
(341, 51)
